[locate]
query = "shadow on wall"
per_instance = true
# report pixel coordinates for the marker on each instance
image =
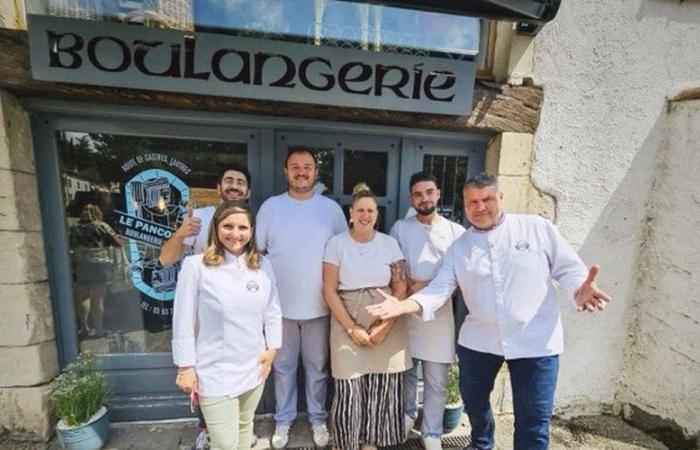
(648, 233)
(593, 360)
(661, 393)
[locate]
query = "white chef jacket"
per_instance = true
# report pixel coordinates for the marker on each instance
(294, 234)
(424, 246)
(506, 277)
(224, 317)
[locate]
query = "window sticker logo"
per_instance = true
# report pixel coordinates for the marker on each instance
(154, 201)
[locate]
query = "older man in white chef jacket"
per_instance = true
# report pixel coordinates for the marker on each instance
(505, 266)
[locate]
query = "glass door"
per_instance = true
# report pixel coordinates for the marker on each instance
(345, 161)
(119, 193)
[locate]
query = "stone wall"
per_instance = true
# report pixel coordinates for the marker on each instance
(28, 354)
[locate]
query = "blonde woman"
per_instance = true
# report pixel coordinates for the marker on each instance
(227, 325)
(367, 356)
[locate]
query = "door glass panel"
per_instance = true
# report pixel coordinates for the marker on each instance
(451, 173)
(326, 166)
(363, 166)
(124, 196)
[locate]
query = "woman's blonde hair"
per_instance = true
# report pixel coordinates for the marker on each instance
(362, 190)
(91, 213)
(214, 255)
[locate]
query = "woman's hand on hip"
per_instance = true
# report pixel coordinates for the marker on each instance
(186, 379)
(265, 361)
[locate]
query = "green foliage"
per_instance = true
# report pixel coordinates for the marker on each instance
(452, 395)
(78, 392)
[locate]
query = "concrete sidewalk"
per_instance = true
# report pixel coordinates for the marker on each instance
(583, 433)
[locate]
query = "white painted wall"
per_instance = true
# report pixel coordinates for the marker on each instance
(662, 370)
(607, 68)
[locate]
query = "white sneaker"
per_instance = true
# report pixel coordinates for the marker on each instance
(408, 424)
(253, 440)
(281, 436)
(432, 443)
(201, 442)
(321, 436)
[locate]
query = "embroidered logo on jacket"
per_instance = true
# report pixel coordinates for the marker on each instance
(522, 246)
(252, 286)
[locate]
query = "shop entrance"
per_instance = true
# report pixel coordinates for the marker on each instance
(133, 173)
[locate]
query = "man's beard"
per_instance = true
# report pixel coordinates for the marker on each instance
(427, 211)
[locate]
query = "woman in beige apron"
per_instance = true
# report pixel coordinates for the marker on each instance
(368, 355)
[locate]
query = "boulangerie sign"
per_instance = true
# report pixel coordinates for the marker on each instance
(132, 56)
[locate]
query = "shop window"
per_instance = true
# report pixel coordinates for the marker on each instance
(135, 196)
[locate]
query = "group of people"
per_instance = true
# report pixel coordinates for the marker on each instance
(296, 282)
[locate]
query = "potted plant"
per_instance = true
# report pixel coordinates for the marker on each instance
(453, 401)
(77, 396)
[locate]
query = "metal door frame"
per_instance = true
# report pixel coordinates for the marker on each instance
(122, 369)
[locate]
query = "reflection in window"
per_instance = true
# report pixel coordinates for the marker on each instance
(368, 167)
(451, 173)
(124, 196)
(321, 22)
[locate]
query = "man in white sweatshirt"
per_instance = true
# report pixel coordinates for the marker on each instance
(292, 228)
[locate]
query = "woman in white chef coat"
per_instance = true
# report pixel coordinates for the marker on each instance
(227, 325)
(367, 356)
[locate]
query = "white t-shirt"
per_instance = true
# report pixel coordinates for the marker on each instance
(199, 242)
(362, 264)
(424, 247)
(294, 234)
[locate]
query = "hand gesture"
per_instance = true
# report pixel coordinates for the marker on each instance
(379, 332)
(265, 362)
(186, 379)
(360, 336)
(588, 297)
(190, 224)
(390, 307)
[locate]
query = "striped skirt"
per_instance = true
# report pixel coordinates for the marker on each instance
(368, 410)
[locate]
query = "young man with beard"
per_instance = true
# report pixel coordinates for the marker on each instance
(234, 184)
(506, 266)
(292, 228)
(424, 238)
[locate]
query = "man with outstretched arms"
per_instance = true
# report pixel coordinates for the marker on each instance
(424, 238)
(292, 228)
(505, 266)
(191, 237)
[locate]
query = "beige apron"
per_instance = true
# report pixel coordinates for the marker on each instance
(349, 360)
